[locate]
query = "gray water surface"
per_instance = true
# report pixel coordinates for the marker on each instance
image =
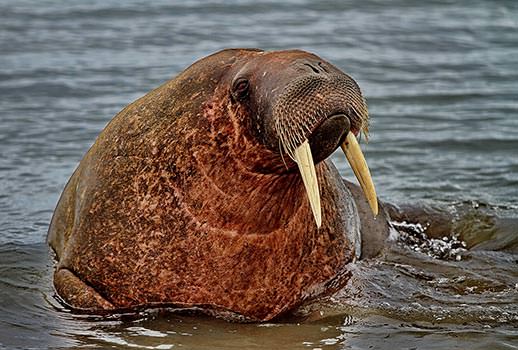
(441, 81)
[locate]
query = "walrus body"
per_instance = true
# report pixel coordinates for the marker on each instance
(186, 199)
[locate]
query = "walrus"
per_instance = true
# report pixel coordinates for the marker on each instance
(215, 192)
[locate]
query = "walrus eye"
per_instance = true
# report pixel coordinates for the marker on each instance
(240, 88)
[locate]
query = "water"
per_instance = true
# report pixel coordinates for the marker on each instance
(441, 81)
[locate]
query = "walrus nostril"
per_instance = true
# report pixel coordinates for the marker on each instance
(312, 67)
(328, 136)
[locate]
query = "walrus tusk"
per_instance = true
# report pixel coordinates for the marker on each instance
(357, 162)
(304, 160)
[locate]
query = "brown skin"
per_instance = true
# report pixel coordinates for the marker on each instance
(185, 199)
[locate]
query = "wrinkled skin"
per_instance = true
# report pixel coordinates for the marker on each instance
(186, 198)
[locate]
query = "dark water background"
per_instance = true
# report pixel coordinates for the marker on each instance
(441, 81)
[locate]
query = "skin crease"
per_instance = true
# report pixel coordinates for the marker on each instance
(184, 200)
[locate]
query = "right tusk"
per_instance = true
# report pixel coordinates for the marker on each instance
(357, 162)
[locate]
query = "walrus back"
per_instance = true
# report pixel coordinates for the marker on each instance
(131, 133)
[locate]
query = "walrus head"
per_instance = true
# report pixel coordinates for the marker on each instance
(304, 108)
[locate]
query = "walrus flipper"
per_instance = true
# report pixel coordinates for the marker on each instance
(77, 294)
(69, 287)
(374, 230)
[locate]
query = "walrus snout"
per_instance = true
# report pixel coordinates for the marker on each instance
(328, 136)
(316, 105)
(314, 114)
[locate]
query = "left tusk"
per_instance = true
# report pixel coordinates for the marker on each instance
(357, 162)
(304, 160)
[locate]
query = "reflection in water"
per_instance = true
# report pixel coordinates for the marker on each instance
(440, 80)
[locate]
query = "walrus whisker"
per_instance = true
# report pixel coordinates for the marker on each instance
(281, 151)
(363, 115)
